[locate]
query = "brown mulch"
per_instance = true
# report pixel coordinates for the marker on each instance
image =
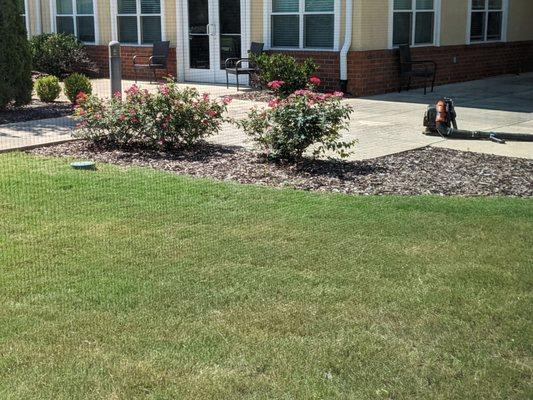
(35, 110)
(423, 171)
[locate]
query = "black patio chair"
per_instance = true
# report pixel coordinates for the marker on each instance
(410, 69)
(242, 66)
(158, 60)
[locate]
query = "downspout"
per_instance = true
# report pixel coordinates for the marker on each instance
(346, 46)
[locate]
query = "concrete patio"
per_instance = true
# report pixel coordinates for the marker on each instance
(383, 124)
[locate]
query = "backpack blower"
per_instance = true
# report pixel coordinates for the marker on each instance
(440, 120)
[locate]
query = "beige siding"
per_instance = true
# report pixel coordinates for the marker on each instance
(256, 21)
(104, 21)
(370, 24)
(454, 18)
(370, 19)
(520, 23)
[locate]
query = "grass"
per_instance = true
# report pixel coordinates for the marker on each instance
(136, 284)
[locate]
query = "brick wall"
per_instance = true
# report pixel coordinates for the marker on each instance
(100, 54)
(376, 71)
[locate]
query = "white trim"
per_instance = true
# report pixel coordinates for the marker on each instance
(180, 42)
(347, 41)
(113, 14)
(505, 19)
(267, 26)
(27, 20)
(39, 18)
(138, 14)
(74, 15)
(437, 11)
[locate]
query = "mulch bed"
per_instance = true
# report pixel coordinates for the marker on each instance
(35, 110)
(423, 171)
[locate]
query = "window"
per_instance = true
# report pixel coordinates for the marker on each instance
(303, 24)
(139, 21)
(486, 20)
(414, 22)
(76, 17)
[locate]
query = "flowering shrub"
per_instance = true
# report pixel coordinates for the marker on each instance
(74, 84)
(169, 118)
(289, 126)
(284, 68)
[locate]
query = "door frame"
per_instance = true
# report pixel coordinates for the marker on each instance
(182, 39)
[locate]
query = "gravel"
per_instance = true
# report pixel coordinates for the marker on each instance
(423, 171)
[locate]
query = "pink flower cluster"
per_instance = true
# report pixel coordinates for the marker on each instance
(275, 85)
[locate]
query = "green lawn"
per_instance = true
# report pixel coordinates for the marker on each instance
(135, 284)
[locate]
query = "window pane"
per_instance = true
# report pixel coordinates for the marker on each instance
(85, 29)
(127, 29)
(424, 4)
(64, 6)
(150, 7)
(151, 29)
(230, 47)
(230, 16)
(127, 6)
(424, 28)
(285, 5)
(494, 26)
(65, 25)
(319, 31)
(478, 4)
(495, 4)
(285, 31)
(477, 28)
(319, 5)
(402, 28)
(403, 4)
(84, 6)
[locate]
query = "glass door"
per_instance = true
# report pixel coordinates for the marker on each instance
(213, 35)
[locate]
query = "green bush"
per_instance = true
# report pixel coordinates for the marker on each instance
(282, 67)
(168, 119)
(305, 119)
(47, 88)
(60, 55)
(76, 84)
(15, 56)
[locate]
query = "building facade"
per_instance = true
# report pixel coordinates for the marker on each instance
(353, 41)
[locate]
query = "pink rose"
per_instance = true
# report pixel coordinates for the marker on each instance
(338, 94)
(274, 103)
(315, 80)
(275, 84)
(226, 100)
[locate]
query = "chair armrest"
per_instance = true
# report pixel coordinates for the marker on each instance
(232, 61)
(239, 63)
(136, 56)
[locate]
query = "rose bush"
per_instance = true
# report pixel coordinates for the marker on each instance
(170, 118)
(289, 126)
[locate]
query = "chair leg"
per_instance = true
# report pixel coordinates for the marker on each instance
(409, 84)
(227, 79)
(433, 82)
(237, 76)
(135, 72)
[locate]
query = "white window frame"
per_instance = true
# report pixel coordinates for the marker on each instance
(74, 15)
(505, 15)
(437, 6)
(267, 24)
(138, 15)
(26, 16)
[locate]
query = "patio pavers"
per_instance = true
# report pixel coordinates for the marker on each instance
(383, 124)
